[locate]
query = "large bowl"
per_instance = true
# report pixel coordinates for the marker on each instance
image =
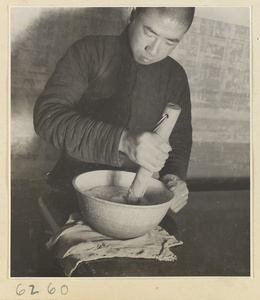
(116, 220)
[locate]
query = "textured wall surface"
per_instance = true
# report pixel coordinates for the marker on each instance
(214, 54)
(216, 57)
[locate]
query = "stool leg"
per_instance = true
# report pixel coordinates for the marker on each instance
(47, 216)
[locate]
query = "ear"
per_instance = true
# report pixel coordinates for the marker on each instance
(132, 15)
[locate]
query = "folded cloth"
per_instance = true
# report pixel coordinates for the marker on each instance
(77, 242)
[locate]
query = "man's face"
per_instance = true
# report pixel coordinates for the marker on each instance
(153, 36)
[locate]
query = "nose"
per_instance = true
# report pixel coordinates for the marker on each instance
(153, 48)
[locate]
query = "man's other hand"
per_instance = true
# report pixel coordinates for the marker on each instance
(179, 189)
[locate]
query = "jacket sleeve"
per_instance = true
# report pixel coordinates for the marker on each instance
(57, 121)
(181, 137)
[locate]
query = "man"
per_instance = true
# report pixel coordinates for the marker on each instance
(107, 93)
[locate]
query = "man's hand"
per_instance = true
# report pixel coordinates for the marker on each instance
(146, 149)
(180, 190)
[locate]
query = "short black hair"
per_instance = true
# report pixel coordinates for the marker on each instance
(184, 15)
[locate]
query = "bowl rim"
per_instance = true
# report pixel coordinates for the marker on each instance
(134, 206)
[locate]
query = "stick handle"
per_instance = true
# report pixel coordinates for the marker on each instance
(163, 128)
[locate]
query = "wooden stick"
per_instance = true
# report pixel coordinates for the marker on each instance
(163, 129)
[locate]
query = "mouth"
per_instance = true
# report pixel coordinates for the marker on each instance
(145, 60)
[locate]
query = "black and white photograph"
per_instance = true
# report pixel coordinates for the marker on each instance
(130, 142)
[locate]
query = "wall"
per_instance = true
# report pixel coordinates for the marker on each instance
(214, 53)
(216, 57)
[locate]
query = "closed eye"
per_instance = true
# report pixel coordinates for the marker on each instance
(148, 32)
(170, 43)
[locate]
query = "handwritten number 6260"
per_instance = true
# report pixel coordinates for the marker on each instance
(51, 290)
